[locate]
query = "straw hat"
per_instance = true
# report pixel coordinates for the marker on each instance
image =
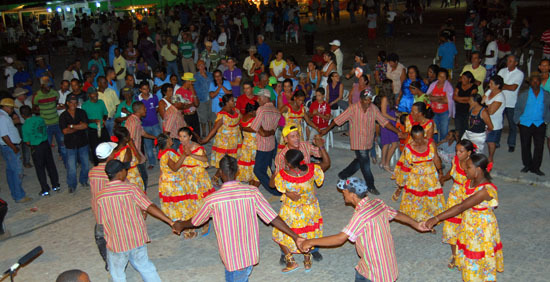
(188, 76)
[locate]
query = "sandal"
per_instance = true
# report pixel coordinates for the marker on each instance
(396, 194)
(291, 264)
(205, 230)
(189, 234)
(307, 262)
(388, 169)
(452, 262)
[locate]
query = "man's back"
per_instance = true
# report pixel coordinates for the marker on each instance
(47, 102)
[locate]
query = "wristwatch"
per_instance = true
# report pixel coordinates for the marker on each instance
(71, 126)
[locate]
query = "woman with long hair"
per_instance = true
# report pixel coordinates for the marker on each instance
(294, 112)
(441, 97)
(172, 119)
(464, 149)
(126, 151)
(479, 122)
(462, 93)
(313, 75)
(388, 139)
(362, 83)
(226, 130)
(248, 150)
(495, 101)
(328, 68)
(406, 99)
(257, 68)
(300, 208)
(431, 74)
(335, 92)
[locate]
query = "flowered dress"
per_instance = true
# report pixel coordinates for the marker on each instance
(195, 182)
(423, 195)
(293, 118)
(228, 137)
(303, 216)
(479, 249)
(455, 197)
(247, 155)
(399, 171)
(171, 191)
(133, 176)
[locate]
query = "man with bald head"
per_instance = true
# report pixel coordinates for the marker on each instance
(73, 275)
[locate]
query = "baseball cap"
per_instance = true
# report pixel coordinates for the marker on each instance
(353, 184)
(71, 97)
(263, 92)
(272, 80)
(8, 60)
(105, 149)
(7, 102)
(288, 129)
(335, 42)
(115, 166)
(367, 94)
(91, 90)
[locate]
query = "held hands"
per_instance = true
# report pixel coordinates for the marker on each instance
(303, 245)
(318, 141)
(324, 132)
(177, 227)
(402, 135)
(429, 224)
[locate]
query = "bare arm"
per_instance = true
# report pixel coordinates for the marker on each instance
(487, 119)
(156, 212)
(213, 132)
(457, 209)
(384, 107)
(162, 108)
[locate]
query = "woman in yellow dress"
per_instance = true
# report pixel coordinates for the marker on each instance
(227, 131)
(294, 113)
(479, 249)
(195, 180)
(464, 149)
(247, 155)
(171, 191)
(421, 115)
(126, 152)
(300, 209)
(423, 195)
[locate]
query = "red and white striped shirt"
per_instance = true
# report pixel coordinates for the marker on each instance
(173, 120)
(362, 125)
(119, 207)
(133, 124)
(235, 209)
(546, 39)
(98, 178)
(369, 228)
(267, 116)
(306, 148)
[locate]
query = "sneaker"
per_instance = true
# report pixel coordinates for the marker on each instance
(373, 191)
(44, 194)
(317, 256)
(56, 189)
(24, 200)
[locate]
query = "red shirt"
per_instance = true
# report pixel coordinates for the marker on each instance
(439, 107)
(243, 100)
(187, 95)
(323, 109)
(86, 86)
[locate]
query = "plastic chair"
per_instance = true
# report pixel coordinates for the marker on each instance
(529, 61)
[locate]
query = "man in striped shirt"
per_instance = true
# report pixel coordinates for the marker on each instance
(265, 123)
(235, 208)
(98, 178)
(293, 141)
(362, 117)
(369, 229)
(119, 209)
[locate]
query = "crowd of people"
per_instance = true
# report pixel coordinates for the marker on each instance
(157, 88)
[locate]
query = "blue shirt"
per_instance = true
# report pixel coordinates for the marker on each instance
(112, 54)
(534, 109)
(447, 51)
(40, 72)
(265, 52)
(23, 77)
(216, 100)
(159, 82)
(202, 86)
(113, 86)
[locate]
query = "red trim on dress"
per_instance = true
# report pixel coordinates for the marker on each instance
(423, 154)
(473, 254)
(412, 122)
(162, 152)
(454, 220)
(174, 199)
(424, 193)
(300, 111)
(470, 191)
(243, 163)
(119, 151)
(229, 115)
(298, 179)
(247, 123)
(209, 192)
(457, 166)
(309, 228)
(225, 151)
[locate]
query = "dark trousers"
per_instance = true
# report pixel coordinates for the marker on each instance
(193, 121)
(100, 241)
(309, 41)
(361, 161)
(513, 130)
(3, 212)
(461, 121)
(263, 162)
(143, 171)
(535, 134)
(94, 141)
(42, 158)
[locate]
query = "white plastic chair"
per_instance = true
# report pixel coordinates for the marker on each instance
(339, 110)
(529, 61)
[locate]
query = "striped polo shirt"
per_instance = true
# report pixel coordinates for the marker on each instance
(47, 102)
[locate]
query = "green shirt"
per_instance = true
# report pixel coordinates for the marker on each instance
(186, 49)
(121, 106)
(95, 110)
(47, 102)
(422, 98)
(34, 131)
(273, 94)
(244, 20)
(310, 28)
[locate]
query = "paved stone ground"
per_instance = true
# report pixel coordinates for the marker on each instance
(63, 223)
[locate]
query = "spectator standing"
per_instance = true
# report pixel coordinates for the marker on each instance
(119, 64)
(174, 27)
(149, 122)
(77, 71)
(210, 57)
(513, 78)
(464, 90)
(97, 65)
(35, 135)
(68, 73)
(222, 41)
(545, 39)
(371, 26)
(186, 49)
(248, 64)
(47, 100)
(160, 79)
(495, 102)
(111, 80)
(43, 69)
(9, 143)
(21, 99)
(74, 124)
(335, 48)
(97, 115)
(124, 109)
(265, 51)
(532, 116)
(9, 72)
(190, 101)
(491, 55)
(203, 79)
(22, 78)
(169, 54)
(477, 70)
(111, 101)
(64, 91)
(234, 75)
(310, 28)
(447, 53)
(218, 88)
(442, 103)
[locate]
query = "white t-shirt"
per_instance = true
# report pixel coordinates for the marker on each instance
(9, 72)
(496, 117)
(510, 78)
(492, 46)
(371, 18)
(62, 99)
(222, 39)
(390, 16)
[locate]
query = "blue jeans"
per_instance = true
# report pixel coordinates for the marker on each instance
(360, 278)
(361, 161)
(14, 172)
(513, 128)
(263, 162)
(80, 155)
(240, 275)
(110, 125)
(442, 123)
(150, 150)
(138, 259)
(54, 130)
(172, 68)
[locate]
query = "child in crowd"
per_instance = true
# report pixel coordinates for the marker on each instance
(319, 113)
(370, 231)
(446, 147)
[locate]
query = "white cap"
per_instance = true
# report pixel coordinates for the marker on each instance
(105, 149)
(335, 42)
(8, 60)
